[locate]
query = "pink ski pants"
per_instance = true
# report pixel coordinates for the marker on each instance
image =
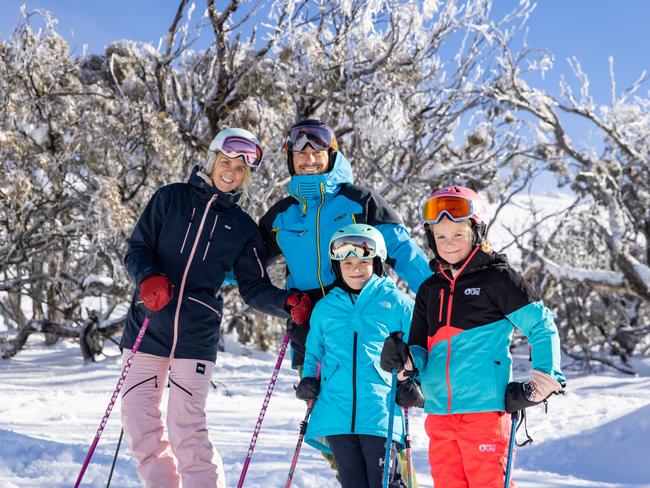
(188, 456)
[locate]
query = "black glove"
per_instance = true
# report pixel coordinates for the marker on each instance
(394, 353)
(308, 388)
(409, 394)
(518, 396)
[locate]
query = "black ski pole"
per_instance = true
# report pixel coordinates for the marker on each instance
(119, 442)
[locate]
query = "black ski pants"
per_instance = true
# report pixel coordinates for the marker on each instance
(360, 461)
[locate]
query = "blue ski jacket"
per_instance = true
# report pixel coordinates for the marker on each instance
(346, 336)
(300, 227)
(462, 330)
(193, 234)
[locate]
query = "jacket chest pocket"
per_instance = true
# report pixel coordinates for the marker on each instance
(292, 238)
(205, 305)
(294, 232)
(219, 241)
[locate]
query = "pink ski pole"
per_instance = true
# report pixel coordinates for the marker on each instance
(260, 418)
(116, 392)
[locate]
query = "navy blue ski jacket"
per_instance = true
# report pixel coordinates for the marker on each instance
(193, 234)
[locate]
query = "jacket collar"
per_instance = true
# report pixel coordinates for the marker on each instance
(477, 261)
(369, 290)
(311, 187)
(204, 191)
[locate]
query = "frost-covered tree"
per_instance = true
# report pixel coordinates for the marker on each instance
(75, 158)
(420, 94)
(593, 265)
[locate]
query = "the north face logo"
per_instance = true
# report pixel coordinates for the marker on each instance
(385, 304)
(200, 368)
(472, 291)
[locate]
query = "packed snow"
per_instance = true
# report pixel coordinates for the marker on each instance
(597, 435)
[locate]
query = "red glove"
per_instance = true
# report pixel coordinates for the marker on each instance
(299, 306)
(155, 292)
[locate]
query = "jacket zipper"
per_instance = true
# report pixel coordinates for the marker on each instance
(185, 273)
(441, 300)
(189, 225)
(206, 306)
(304, 203)
(354, 383)
(214, 224)
(450, 304)
(322, 200)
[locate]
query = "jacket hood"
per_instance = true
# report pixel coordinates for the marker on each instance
(308, 186)
(204, 191)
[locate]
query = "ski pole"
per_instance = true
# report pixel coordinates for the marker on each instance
(391, 418)
(407, 440)
(119, 443)
(511, 449)
(111, 403)
(301, 437)
(260, 418)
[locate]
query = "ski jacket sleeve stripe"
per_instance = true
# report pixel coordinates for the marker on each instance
(254, 285)
(139, 258)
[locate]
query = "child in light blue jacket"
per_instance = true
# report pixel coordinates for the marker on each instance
(348, 329)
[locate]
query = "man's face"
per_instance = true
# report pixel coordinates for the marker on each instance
(309, 161)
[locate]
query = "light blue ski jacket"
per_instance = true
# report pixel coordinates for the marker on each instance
(346, 336)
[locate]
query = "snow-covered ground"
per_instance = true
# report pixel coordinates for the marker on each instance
(598, 435)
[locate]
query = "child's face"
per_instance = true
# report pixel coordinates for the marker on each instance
(356, 272)
(453, 240)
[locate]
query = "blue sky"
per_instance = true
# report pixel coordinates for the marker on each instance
(592, 30)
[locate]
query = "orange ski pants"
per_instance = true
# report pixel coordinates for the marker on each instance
(468, 450)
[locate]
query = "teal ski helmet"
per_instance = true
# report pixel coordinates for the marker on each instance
(359, 240)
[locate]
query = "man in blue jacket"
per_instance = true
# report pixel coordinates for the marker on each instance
(323, 198)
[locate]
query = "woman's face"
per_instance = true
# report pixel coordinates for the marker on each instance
(453, 240)
(356, 272)
(228, 174)
(309, 161)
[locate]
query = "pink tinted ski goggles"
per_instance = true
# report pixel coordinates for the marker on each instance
(235, 146)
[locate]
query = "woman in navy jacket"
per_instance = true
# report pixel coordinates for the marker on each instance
(189, 235)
